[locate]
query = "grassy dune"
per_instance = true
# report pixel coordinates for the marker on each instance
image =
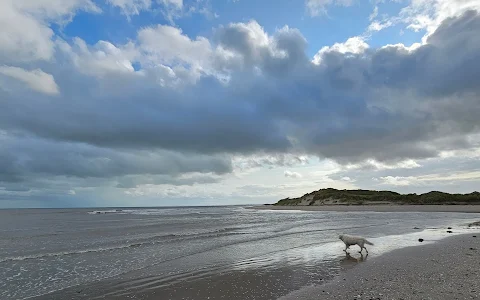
(366, 197)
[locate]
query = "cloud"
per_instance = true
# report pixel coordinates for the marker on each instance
(167, 45)
(243, 163)
(431, 179)
(177, 3)
(319, 7)
(378, 26)
(395, 181)
(100, 60)
(135, 181)
(291, 174)
(131, 7)
(176, 9)
(351, 107)
(354, 45)
(371, 164)
(27, 161)
(374, 13)
(423, 15)
(429, 14)
(35, 79)
(170, 9)
(167, 107)
(247, 47)
(26, 35)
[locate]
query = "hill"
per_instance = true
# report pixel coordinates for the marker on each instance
(370, 197)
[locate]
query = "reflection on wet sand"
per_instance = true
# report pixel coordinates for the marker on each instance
(349, 261)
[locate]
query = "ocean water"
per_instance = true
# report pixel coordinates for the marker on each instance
(217, 252)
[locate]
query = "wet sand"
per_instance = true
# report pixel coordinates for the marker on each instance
(379, 208)
(449, 269)
(222, 284)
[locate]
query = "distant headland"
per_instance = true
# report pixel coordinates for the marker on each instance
(330, 196)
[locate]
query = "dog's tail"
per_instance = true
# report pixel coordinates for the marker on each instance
(369, 243)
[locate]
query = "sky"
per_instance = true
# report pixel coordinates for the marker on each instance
(218, 102)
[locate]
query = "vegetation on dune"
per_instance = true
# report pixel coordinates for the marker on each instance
(362, 197)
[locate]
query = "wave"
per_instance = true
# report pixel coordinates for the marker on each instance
(182, 236)
(138, 243)
(110, 211)
(183, 211)
(161, 211)
(66, 253)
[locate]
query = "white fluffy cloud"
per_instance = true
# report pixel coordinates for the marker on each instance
(101, 59)
(429, 14)
(26, 35)
(423, 15)
(167, 45)
(354, 45)
(35, 79)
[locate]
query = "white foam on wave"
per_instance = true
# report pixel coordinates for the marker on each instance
(64, 253)
(142, 211)
(146, 241)
(110, 211)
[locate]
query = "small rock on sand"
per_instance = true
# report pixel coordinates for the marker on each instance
(420, 240)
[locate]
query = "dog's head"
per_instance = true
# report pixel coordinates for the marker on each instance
(340, 237)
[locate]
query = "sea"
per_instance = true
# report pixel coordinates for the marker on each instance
(229, 252)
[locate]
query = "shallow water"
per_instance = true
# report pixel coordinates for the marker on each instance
(193, 252)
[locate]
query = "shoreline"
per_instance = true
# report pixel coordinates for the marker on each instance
(376, 208)
(446, 269)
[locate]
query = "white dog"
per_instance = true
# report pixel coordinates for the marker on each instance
(350, 240)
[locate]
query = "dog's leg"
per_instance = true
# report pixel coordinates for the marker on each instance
(361, 248)
(365, 249)
(346, 248)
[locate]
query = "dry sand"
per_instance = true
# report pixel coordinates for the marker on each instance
(449, 269)
(379, 208)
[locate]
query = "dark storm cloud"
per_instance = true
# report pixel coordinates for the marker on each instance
(23, 159)
(388, 104)
(127, 182)
(203, 120)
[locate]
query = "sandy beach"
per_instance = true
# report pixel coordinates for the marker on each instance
(379, 208)
(449, 269)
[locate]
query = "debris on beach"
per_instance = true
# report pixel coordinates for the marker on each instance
(449, 231)
(420, 240)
